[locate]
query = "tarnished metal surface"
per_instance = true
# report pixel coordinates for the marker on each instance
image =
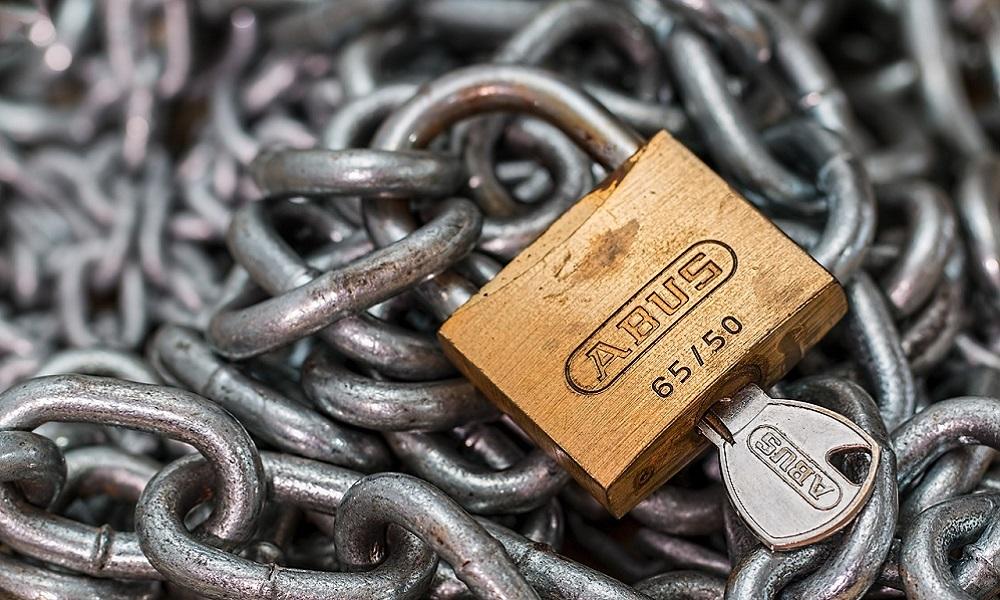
(229, 231)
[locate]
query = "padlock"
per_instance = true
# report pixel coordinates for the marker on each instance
(658, 294)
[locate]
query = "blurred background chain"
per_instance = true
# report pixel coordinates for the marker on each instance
(230, 228)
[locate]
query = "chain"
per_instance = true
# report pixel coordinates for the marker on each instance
(229, 231)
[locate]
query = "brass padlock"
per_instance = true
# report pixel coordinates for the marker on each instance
(656, 295)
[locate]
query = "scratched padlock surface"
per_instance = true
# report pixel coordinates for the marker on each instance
(237, 227)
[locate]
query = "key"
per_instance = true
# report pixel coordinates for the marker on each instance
(775, 458)
(656, 295)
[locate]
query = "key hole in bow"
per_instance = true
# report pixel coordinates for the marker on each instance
(853, 462)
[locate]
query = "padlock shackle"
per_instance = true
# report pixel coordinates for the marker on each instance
(477, 90)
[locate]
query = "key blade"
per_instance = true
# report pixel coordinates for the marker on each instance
(712, 423)
(779, 477)
(730, 415)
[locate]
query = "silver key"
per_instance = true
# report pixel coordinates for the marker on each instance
(775, 458)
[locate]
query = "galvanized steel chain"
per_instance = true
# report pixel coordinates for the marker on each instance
(229, 231)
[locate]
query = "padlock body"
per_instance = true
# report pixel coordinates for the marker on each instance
(656, 295)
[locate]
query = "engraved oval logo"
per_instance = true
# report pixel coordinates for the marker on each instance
(794, 467)
(648, 315)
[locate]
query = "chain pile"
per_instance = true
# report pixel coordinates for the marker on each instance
(230, 228)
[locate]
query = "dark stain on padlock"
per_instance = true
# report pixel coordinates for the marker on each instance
(644, 476)
(790, 347)
(607, 251)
